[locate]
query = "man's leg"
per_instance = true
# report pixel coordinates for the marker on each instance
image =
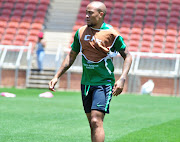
(95, 119)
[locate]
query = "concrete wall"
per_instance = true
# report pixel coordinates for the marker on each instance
(163, 86)
(8, 78)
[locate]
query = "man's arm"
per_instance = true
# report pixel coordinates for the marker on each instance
(68, 61)
(119, 84)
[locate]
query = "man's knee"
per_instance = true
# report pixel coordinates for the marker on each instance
(96, 122)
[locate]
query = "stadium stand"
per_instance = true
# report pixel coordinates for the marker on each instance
(155, 20)
(19, 19)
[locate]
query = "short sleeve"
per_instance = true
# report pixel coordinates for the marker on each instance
(119, 44)
(76, 45)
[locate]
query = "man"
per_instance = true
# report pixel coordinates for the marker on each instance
(98, 42)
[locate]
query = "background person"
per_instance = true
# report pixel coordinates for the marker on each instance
(40, 52)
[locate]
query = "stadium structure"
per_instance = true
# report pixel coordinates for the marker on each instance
(150, 29)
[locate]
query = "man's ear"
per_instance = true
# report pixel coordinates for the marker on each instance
(102, 14)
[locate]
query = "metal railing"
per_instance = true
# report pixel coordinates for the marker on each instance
(11, 58)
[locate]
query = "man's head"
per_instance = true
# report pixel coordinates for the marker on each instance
(95, 13)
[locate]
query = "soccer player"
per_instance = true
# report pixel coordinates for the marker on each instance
(99, 43)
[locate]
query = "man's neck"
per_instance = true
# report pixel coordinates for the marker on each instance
(98, 26)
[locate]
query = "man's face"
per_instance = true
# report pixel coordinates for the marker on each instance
(92, 16)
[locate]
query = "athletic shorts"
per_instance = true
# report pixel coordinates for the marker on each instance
(96, 97)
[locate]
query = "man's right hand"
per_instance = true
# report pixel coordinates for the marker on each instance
(52, 83)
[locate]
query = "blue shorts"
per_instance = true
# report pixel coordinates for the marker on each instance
(96, 97)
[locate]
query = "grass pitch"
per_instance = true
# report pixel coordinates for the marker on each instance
(132, 118)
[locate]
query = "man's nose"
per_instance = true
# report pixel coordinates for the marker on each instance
(87, 15)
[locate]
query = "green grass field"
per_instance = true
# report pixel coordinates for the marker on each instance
(132, 118)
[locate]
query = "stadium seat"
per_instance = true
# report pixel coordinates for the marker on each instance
(178, 49)
(124, 30)
(32, 38)
(116, 18)
(34, 32)
(151, 19)
(8, 37)
(161, 26)
(143, 1)
(19, 6)
(171, 39)
(6, 42)
(11, 31)
(140, 12)
(8, 5)
(163, 6)
(176, 2)
(22, 31)
(130, 5)
(140, 6)
(117, 12)
(80, 22)
(172, 26)
(128, 12)
(31, 7)
(24, 25)
(84, 3)
(27, 19)
(145, 46)
(159, 32)
(149, 25)
(127, 18)
(22, 1)
(139, 18)
(135, 37)
(147, 37)
(149, 31)
(36, 26)
(107, 18)
(45, 2)
(40, 14)
(165, 1)
(29, 13)
(17, 12)
(162, 19)
(151, 12)
(163, 13)
(136, 30)
(16, 18)
(137, 24)
(8, 1)
(43, 7)
(33, 2)
(157, 47)
(152, 6)
(174, 13)
(171, 32)
(118, 5)
(125, 24)
(175, 7)
(159, 38)
(18, 43)
(20, 38)
(108, 4)
(3, 24)
(133, 46)
(13, 24)
(169, 48)
(174, 20)
(38, 20)
(2, 30)
(6, 12)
